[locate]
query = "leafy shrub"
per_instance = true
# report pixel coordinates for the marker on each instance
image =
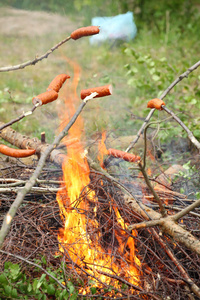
(15, 284)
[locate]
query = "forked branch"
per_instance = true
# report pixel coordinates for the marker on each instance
(164, 94)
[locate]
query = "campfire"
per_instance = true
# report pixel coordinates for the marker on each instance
(82, 238)
(115, 235)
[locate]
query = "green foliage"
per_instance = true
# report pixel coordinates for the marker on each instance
(190, 174)
(15, 284)
(190, 170)
(150, 75)
(152, 12)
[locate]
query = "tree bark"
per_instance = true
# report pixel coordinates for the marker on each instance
(167, 225)
(25, 142)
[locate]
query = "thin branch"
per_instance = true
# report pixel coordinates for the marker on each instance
(175, 82)
(175, 217)
(129, 284)
(190, 134)
(156, 197)
(32, 180)
(36, 59)
(28, 113)
(180, 209)
(183, 272)
(35, 190)
(145, 141)
(144, 224)
(144, 173)
(185, 211)
(11, 182)
(35, 265)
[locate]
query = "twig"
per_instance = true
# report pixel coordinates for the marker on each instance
(186, 210)
(28, 113)
(190, 134)
(146, 178)
(184, 274)
(180, 209)
(120, 279)
(10, 182)
(144, 224)
(32, 180)
(36, 190)
(144, 173)
(175, 82)
(35, 265)
(36, 59)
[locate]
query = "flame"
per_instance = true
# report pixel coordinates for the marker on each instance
(79, 238)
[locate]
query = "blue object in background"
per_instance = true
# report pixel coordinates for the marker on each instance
(120, 27)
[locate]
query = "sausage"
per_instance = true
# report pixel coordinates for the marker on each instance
(156, 103)
(16, 152)
(45, 97)
(57, 82)
(84, 31)
(124, 155)
(102, 91)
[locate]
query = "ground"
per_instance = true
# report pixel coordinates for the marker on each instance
(33, 23)
(27, 34)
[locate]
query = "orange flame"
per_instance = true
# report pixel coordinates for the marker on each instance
(74, 202)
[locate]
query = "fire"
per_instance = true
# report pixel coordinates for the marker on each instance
(80, 238)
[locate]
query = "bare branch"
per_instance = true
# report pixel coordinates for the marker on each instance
(146, 178)
(190, 134)
(167, 225)
(186, 211)
(36, 190)
(175, 82)
(28, 113)
(144, 224)
(144, 173)
(36, 59)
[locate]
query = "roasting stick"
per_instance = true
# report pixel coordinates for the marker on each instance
(25, 114)
(189, 133)
(42, 99)
(77, 34)
(172, 85)
(160, 105)
(32, 180)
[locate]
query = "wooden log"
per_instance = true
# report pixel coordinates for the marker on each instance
(24, 142)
